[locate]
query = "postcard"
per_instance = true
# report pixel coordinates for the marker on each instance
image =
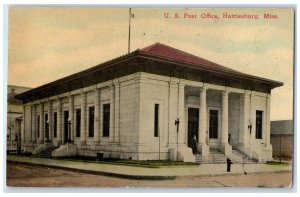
(150, 97)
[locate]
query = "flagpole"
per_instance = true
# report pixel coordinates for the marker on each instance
(129, 30)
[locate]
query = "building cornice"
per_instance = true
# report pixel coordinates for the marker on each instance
(140, 61)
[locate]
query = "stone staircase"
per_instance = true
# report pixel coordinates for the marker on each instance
(239, 157)
(217, 156)
(47, 153)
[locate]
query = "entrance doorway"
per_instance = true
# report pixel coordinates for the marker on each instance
(193, 128)
(213, 124)
(66, 126)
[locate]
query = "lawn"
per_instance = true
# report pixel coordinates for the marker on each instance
(136, 163)
(277, 163)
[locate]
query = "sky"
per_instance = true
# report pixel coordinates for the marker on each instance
(48, 43)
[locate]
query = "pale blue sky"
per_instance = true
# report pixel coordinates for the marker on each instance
(49, 43)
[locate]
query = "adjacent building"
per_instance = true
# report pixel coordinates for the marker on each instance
(14, 117)
(282, 138)
(153, 103)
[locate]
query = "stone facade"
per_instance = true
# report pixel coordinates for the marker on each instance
(132, 99)
(157, 103)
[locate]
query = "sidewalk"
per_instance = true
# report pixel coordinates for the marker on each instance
(150, 173)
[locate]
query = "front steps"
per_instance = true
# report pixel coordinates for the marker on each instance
(46, 153)
(217, 156)
(65, 150)
(239, 157)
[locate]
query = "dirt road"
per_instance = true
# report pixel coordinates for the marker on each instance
(20, 175)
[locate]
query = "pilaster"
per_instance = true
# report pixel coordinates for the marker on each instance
(34, 124)
(42, 124)
(50, 120)
(267, 133)
(112, 114)
(71, 116)
(83, 118)
(28, 129)
(117, 111)
(59, 122)
(97, 116)
(244, 120)
(172, 101)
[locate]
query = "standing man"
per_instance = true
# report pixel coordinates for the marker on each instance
(194, 144)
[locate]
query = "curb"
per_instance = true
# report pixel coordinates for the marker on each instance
(140, 177)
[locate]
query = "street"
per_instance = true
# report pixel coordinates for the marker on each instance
(21, 175)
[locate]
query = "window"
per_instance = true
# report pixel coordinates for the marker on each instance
(38, 126)
(106, 117)
(46, 118)
(213, 124)
(46, 127)
(258, 133)
(66, 128)
(55, 124)
(156, 120)
(91, 121)
(78, 123)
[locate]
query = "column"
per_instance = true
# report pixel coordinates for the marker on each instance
(112, 114)
(97, 117)
(83, 118)
(59, 122)
(181, 112)
(267, 133)
(50, 124)
(203, 148)
(224, 126)
(34, 127)
(225, 147)
(117, 111)
(24, 125)
(42, 124)
(71, 117)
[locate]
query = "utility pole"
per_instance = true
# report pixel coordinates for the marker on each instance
(280, 144)
(177, 122)
(130, 16)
